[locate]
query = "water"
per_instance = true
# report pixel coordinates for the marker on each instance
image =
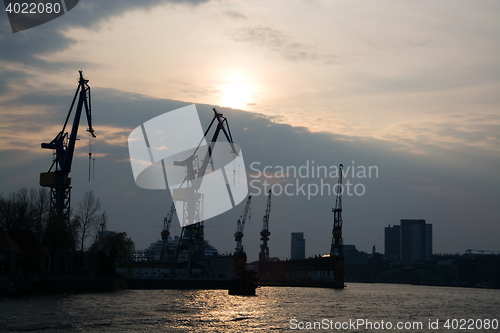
(270, 311)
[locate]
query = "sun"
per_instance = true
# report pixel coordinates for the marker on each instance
(236, 95)
(236, 90)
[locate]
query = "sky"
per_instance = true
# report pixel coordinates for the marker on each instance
(408, 88)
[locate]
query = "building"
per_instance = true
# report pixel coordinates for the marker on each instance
(10, 254)
(22, 253)
(416, 241)
(36, 258)
(353, 256)
(392, 242)
(153, 252)
(298, 246)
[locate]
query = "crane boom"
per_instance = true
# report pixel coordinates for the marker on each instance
(196, 176)
(240, 226)
(264, 234)
(64, 152)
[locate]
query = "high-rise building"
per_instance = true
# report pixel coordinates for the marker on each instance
(298, 247)
(392, 241)
(416, 241)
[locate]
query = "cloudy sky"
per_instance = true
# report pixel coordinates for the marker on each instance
(411, 88)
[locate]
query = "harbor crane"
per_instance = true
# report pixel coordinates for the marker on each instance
(240, 226)
(337, 248)
(192, 238)
(57, 178)
(264, 234)
(166, 232)
(239, 255)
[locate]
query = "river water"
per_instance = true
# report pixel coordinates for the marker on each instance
(274, 309)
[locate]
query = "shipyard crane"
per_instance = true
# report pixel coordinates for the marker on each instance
(192, 238)
(194, 177)
(166, 232)
(240, 226)
(264, 234)
(57, 178)
(337, 248)
(239, 255)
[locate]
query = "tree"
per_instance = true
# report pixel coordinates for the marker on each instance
(114, 248)
(25, 210)
(41, 211)
(101, 225)
(86, 219)
(8, 212)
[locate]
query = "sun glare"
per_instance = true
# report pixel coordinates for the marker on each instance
(236, 92)
(236, 95)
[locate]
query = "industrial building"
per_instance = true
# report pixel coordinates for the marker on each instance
(298, 246)
(416, 241)
(410, 242)
(393, 241)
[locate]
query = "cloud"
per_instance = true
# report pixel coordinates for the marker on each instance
(14, 133)
(7, 78)
(23, 48)
(458, 135)
(285, 45)
(91, 13)
(114, 136)
(235, 14)
(21, 51)
(29, 119)
(435, 188)
(446, 77)
(430, 186)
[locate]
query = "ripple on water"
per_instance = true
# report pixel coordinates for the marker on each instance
(215, 311)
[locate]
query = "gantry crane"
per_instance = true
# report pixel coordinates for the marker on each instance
(264, 234)
(57, 177)
(166, 232)
(337, 248)
(240, 226)
(192, 238)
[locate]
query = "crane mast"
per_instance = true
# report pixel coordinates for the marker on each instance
(264, 234)
(57, 178)
(240, 226)
(166, 232)
(337, 248)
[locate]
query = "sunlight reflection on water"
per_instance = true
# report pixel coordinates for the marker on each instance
(216, 311)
